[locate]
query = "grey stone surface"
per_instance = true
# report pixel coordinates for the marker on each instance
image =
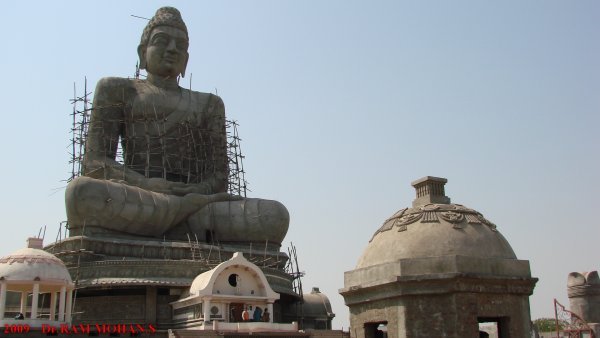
(434, 230)
(174, 178)
(141, 231)
(584, 295)
(315, 311)
(430, 190)
(114, 274)
(102, 263)
(437, 270)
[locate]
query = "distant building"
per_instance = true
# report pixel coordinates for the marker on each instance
(584, 297)
(316, 311)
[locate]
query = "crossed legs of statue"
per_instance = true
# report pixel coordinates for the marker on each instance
(120, 208)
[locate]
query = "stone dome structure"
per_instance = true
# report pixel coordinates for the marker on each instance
(31, 263)
(584, 297)
(438, 269)
(316, 310)
(223, 294)
(32, 272)
(316, 303)
(434, 227)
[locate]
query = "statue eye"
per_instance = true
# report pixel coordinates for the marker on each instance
(182, 45)
(159, 40)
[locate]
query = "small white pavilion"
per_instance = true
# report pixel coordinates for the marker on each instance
(33, 272)
(217, 299)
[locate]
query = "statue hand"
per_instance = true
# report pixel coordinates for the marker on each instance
(182, 189)
(174, 188)
(199, 201)
(157, 185)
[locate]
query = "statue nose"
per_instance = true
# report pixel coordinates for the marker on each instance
(172, 45)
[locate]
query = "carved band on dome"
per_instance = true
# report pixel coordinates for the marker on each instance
(26, 259)
(452, 217)
(408, 219)
(389, 223)
(472, 219)
(455, 214)
(430, 217)
(461, 207)
(430, 207)
(455, 218)
(398, 214)
(483, 220)
(386, 226)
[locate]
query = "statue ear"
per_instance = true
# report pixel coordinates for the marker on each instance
(187, 57)
(142, 55)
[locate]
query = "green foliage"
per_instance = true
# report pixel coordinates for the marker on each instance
(547, 324)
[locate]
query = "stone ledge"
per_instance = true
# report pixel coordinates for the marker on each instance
(77, 249)
(457, 264)
(437, 284)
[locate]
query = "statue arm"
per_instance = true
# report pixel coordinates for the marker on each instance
(218, 182)
(111, 100)
(104, 130)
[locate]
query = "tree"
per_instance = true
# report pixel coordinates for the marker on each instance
(547, 324)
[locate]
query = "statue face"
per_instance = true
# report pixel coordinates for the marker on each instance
(166, 53)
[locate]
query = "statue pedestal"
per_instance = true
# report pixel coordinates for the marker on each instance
(133, 281)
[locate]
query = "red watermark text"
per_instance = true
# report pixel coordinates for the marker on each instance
(101, 329)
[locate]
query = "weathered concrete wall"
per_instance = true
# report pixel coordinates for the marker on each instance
(445, 306)
(110, 309)
(443, 316)
(388, 310)
(584, 295)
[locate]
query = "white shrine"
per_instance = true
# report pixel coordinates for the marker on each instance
(218, 299)
(34, 275)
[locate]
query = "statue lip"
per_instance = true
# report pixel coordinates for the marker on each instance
(171, 58)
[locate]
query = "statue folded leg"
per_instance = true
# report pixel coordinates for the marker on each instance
(121, 208)
(246, 220)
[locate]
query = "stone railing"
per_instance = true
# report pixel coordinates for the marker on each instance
(253, 326)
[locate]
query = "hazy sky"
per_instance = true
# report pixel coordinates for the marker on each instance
(341, 105)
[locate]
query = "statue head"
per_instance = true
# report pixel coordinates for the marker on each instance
(163, 47)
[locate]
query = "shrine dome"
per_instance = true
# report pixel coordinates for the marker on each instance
(33, 264)
(317, 304)
(440, 258)
(434, 227)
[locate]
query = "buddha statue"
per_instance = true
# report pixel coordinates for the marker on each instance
(174, 176)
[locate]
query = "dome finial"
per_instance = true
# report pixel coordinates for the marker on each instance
(35, 243)
(430, 189)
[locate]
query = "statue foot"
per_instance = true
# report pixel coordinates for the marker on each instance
(244, 220)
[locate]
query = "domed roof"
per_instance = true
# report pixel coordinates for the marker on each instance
(590, 278)
(317, 304)
(33, 264)
(434, 227)
(254, 282)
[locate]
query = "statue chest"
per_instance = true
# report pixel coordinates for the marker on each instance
(160, 113)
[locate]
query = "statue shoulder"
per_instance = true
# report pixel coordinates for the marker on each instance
(115, 88)
(211, 102)
(114, 82)
(216, 102)
(216, 105)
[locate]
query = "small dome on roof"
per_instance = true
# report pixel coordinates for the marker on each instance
(33, 264)
(434, 227)
(316, 304)
(236, 276)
